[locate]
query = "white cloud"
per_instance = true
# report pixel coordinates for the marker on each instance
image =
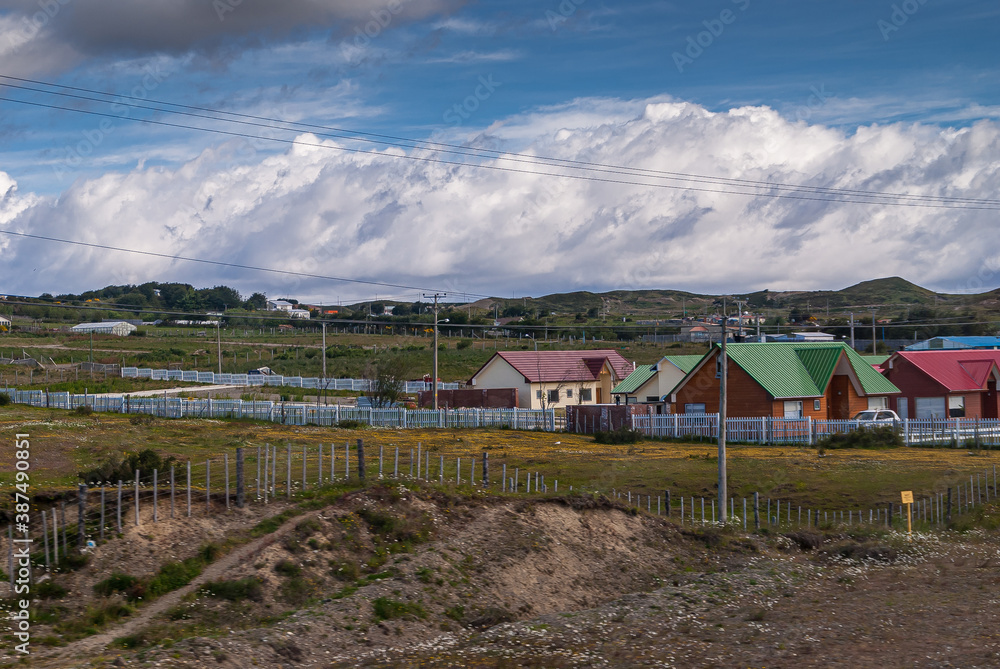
(319, 210)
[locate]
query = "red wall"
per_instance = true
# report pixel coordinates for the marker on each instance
(746, 397)
(914, 383)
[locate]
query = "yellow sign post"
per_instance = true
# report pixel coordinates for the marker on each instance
(907, 499)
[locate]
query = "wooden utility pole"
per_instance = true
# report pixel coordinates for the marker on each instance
(874, 348)
(852, 330)
(723, 364)
(434, 380)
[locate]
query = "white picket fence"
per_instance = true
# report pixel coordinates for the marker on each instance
(186, 376)
(766, 430)
(294, 413)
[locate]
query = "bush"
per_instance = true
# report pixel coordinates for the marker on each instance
(83, 410)
(117, 582)
(50, 590)
(5, 399)
(234, 591)
(622, 435)
(883, 436)
(351, 425)
(287, 568)
(464, 344)
(123, 469)
(387, 609)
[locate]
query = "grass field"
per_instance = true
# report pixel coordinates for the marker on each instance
(65, 443)
(295, 354)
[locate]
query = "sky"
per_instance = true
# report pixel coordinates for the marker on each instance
(498, 148)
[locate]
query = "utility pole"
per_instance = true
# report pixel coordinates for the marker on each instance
(218, 340)
(724, 363)
(434, 380)
(874, 348)
(324, 365)
(739, 315)
(852, 330)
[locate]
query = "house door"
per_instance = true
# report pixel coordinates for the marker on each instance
(600, 395)
(990, 403)
(840, 401)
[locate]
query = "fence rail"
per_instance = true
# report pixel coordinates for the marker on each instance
(766, 430)
(294, 413)
(190, 376)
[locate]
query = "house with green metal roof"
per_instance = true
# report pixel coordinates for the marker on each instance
(651, 384)
(827, 380)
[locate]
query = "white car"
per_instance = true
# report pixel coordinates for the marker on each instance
(874, 416)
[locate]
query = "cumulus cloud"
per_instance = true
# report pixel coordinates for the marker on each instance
(319, 210)
(40, 35)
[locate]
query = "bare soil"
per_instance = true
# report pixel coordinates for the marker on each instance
(391, 577)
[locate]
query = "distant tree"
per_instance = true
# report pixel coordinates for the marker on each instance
(388, 374)
(378, 308)
(257, 301)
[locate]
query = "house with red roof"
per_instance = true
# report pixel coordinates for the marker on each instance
(945, 383)
(551, 379)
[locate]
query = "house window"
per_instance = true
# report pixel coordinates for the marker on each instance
(694, 408)
(652, 399)
(956, 406)
(553, 396)
(816, 405)
(929, 407)
(569, 393)
(878, 403)
(585, 395)
(538, 394)
(631, 400)
(793, 409)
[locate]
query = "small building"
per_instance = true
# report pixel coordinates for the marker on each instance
(945, 384)
(802, 336)
(119, 328)
(279, 305)
(828, 381)
(4, 323)
(651, 384)
(951, 343)
(551, 379)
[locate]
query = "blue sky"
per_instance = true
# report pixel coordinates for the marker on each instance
(828, 90)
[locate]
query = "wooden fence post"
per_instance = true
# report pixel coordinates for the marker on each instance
(380, 461)
(395, 464)
(756, 511)
(136, 496)
(361, 460)
(225, 469)
(258, 473)
(947, 516)
(240, 484)
(102, 520)
(62, 520)
(486, 469)
(304, 468)
(81, 506)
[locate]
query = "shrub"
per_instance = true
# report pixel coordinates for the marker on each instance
(50, 590)
(174, 575)
(234, 591)
(123, 469)
(387, 609)
(883, 436)
(83, 410)
(351, 425)
(464, 344)
(287, 568)
(622, 435)
(4, 399)
(130, 586)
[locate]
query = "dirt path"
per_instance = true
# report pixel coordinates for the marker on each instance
(97, 643)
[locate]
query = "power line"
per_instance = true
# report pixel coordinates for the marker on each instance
(784, 191)
(360, 135)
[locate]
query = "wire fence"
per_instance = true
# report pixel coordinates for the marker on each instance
(958, 432)
(59, 532)
(191, 376)
(294, 413)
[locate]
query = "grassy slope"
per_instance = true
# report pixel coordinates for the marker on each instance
(64, 443)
